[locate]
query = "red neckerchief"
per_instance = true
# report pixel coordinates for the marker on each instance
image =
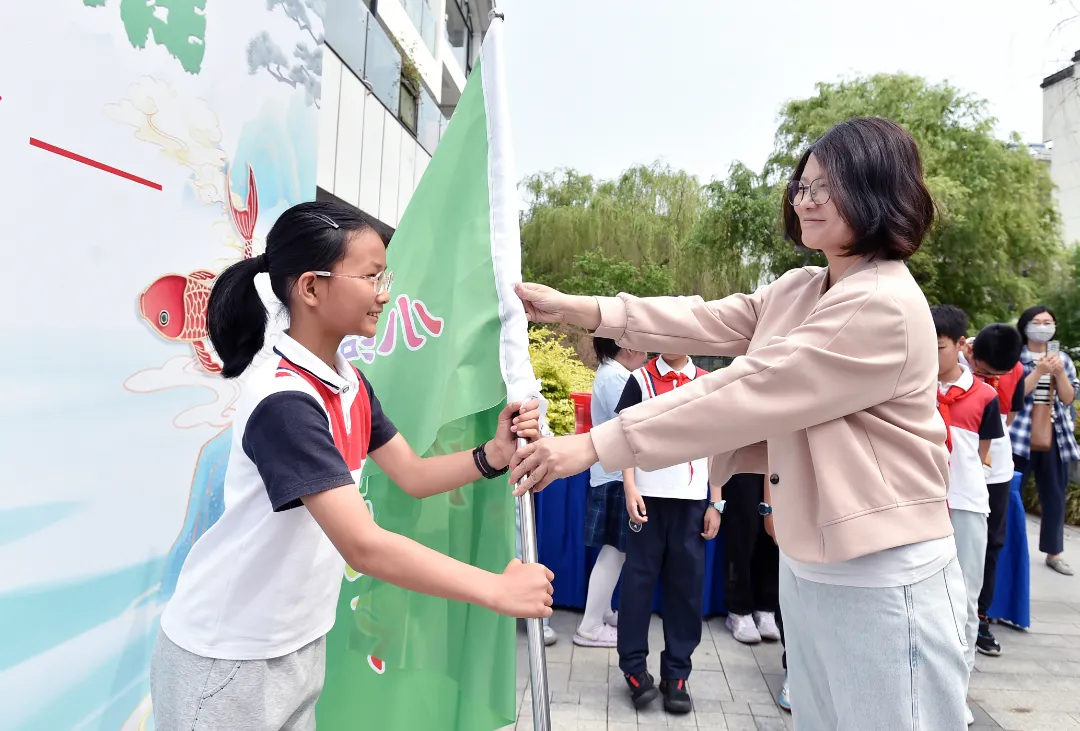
(944, 401)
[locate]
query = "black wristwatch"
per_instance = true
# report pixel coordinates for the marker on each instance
(486, 470)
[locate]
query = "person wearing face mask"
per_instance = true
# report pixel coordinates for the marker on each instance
(1050, 379)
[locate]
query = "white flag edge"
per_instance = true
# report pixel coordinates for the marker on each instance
(521, 383)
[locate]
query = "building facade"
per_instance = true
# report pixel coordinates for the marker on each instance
(393, 72)
(1061, 133)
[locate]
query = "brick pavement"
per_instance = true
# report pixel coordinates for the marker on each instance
(1033, 686)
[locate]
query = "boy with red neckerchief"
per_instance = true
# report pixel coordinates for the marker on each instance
(972, 416)
(670, 520)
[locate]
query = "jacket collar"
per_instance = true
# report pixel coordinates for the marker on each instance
(303, 358)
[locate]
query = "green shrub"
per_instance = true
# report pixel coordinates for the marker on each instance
(560, 373)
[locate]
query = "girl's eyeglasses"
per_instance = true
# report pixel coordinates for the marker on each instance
(381, 281)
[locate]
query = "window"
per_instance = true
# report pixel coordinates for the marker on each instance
(407, 111)
(459, 33)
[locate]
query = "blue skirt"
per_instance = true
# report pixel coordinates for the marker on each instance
(606, 521)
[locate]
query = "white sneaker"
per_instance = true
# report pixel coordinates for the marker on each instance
(785, 695)
(606, 636)
(743, 628)
(766, 625)
(550, 638)
(969, 716)
(611, 619)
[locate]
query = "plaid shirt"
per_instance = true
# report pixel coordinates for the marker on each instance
(1020, 431)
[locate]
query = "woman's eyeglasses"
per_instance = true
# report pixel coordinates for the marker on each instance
(381, 281)
(819, 191)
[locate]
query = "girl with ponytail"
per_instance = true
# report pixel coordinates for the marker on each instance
(242, 641)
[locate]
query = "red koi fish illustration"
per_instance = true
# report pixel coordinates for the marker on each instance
(244, 218)
(175, 306)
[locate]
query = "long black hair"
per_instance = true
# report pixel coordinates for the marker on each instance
(307, 237)
(1029, 315)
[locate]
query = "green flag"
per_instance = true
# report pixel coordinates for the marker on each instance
(447, 358)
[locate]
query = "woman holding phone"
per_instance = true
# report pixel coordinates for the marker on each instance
(1046, 450)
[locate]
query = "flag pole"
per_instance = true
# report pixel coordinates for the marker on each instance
(517, 370)
(537, 652)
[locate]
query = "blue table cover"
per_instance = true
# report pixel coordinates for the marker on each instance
(1012, 593)
(560, 519)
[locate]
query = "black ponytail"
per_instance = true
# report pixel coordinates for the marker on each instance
(307, 237)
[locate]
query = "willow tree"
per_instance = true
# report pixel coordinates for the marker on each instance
(578, 232)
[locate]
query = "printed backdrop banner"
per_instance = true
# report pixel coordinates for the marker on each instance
(145, 145)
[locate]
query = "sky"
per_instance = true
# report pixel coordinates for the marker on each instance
(601, 85)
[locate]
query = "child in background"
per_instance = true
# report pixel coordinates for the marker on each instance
(605, 517)
(671, 520)
(971, 413)
(994, 358)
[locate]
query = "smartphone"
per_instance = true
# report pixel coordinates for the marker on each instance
(1053, 347)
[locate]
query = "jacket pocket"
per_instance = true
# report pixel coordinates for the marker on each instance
(957, 595)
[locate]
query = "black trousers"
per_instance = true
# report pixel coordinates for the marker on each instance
(670, 548)
(753, 560)
(1051, 481)
(995, 539)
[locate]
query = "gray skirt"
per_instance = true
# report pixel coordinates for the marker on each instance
(194, 693)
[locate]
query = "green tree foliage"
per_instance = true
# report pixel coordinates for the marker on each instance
(1064, 299)
(560, 374)
(997, 244)
(581, 229)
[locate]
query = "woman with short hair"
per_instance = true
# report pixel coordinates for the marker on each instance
(838, 379)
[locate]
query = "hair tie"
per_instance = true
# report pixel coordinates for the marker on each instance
(264, 263)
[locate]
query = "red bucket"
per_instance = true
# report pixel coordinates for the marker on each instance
(582, 412)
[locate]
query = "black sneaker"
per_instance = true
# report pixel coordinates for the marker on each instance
(642, 689)
(676, 696)
(986, 643)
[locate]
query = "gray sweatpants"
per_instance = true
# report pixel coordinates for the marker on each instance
(194, 693)
(970, 533)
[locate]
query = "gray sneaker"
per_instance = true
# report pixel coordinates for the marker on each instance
(1057, 563)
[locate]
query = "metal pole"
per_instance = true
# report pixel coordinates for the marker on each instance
(537, 653)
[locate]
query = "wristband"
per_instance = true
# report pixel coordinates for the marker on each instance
(485, 469)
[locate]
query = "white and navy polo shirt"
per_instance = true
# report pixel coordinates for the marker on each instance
(974, 417)
(687, 481)
(264, 580)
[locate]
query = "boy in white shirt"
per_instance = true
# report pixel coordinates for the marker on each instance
(971, 412)
(671, 519)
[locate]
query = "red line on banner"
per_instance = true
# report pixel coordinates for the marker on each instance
(93, 163)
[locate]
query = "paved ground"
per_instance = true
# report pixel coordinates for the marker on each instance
(1035, 684)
